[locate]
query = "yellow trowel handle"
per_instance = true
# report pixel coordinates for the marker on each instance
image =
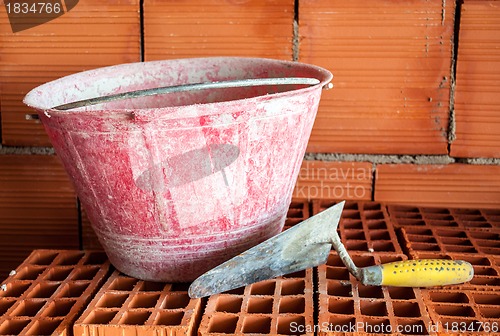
(418, 273)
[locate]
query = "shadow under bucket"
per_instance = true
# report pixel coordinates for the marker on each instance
(175, 184)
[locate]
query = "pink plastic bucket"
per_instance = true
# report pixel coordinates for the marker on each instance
(176, 184)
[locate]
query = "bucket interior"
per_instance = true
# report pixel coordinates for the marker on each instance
(139, 76)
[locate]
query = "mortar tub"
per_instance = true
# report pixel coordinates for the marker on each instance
(176, 184)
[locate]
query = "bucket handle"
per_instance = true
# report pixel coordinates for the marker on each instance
(189, 87)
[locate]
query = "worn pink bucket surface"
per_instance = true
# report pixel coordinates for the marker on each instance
(176, 184)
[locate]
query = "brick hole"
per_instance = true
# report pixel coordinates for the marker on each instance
(459, 249)
(442, 223)
(336, 288)
(449, 233)
(354, 234)
(373, 292)
(404, 208)
(229, 304)
(373, 308)
(454, 310)
(59, 308)
(349, 224)
(342, 322)
(476, 261)
(143, 300)
(410, 222)
(424, 247)
(452, 297)
(28, 307)
(488, 271)
(44, 327)
(376, 225)
(13, 327)
(377, 326)
(487, 299)
(418, 231)
(176, 287)
(100, 317)
(383, 246)
(236, 291)
(490, 312)
(371, 206)
(485, 281)
(149, 286)
(456, 241)
(258, 305)
(5, 305)
(410, 215)
(488, 243)
(112, 300)
(135, 317)
(370, 215)
(74, 289)
(123, 284)
(491, 251)
(58, 274)
(389, 258)
(363, 261)
(71, 259)
(293, 305)
(334, 260)
(295, 213)
(440, 217)
(299, 274)
(380, 235)
(406, 309)
(15, 289)
(467, 212)
(166, 318)
(437, 211)
(291, 222)
(30, 272)
(412, 327)
(337, 273)
(293, 287)
(421, 239)
(96, 258)
(351, 214)
(256, 325)
(401, 293)
(291, 325)
(44, 290)
(485, 235)
(43, 258)
(176, 301)
(87, 273)
(345, 307)
(223, 323)
(263, 288)
(347, 206)
(491, 212)
(477, 225)
(471, 326)
(354, 245)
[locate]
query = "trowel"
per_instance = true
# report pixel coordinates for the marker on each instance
(307, 245)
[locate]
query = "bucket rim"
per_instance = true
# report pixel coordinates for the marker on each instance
(31, 97)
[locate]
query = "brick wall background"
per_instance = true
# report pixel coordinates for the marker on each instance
(414, 116)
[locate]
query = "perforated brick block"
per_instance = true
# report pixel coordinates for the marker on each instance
(128, 306)
(45, 294)
(364, 227)
(280, 306)
(297, 212)
(463, 312)
(347, 306)
(469, 219)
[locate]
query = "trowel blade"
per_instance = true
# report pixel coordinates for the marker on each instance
(303, 246)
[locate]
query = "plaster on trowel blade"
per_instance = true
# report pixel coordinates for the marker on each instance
(303, 246)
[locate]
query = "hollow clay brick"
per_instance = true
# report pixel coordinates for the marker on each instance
(128, 306)
(477, 93)
(37, 208)
(256, 28)
(463, 312)
(280, 306)
(93, 34)
(297, 212)
(364, 227)
(453, 185)
(47, 292)
(334, 180)
(391, 91)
